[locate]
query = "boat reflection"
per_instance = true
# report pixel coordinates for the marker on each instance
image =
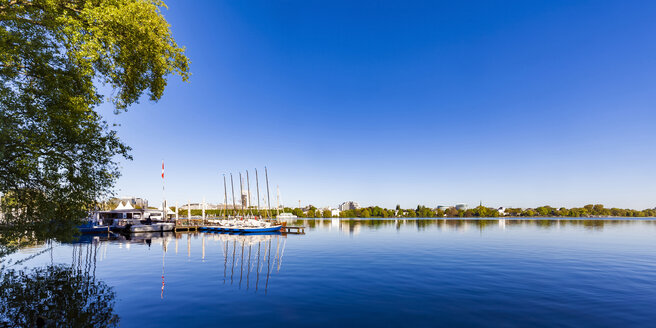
(249, 259)
(250, 254)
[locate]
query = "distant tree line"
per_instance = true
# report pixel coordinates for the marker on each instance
(585, 211)
(422, 211)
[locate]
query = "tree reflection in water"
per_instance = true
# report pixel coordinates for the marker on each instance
(352, 226)
(57, 296)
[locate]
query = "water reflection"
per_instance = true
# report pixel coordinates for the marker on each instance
(396, 272)
(354, 226)
(248, 260)
(58, 295)
(250, 255)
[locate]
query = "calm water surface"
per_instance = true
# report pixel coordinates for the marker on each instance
(386, 273)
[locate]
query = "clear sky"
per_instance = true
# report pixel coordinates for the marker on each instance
(512, 103)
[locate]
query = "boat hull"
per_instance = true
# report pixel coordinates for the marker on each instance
(242, 229)
(94, 229)
(158, 227)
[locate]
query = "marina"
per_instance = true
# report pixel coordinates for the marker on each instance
(128, 219)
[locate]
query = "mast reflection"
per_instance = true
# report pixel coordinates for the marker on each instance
(59, 295)
(238, 252)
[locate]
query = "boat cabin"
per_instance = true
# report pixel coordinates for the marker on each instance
(110, 217)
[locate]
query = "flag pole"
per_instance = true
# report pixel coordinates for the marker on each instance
(163, 194)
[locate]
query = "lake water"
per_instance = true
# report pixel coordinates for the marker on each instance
(385, 273)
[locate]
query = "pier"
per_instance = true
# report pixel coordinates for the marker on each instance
(293, 230)
(188, 224)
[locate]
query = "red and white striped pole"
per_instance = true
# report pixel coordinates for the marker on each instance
(163, 195)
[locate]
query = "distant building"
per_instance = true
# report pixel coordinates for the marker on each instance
(443, 208)
(245, 199)
(307, 208)
(462, 207)
(199, 206)
(350, 205)
(334, 212)
(502, 210)
(135, 202)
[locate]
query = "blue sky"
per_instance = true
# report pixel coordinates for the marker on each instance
(512, 103)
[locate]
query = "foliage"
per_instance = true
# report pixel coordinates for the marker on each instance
(57, 154)
(425, 212)
(481, 211)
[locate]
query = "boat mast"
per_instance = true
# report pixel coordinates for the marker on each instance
(232, 187)
(248, 184)
(278, 201)
(225, 195)
(257, 185)
(266, 175)
(241, 193)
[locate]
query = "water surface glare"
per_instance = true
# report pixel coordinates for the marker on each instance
(385, 273)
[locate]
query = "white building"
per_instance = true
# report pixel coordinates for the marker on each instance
(245, 199)
(199, 206)
(461, 207)
(334, 212)
(350, 205)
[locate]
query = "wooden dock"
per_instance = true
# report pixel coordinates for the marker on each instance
(186, 228)
(188, 224)
(293, 230)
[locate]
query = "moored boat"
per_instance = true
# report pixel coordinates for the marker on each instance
(244, 226)
(285, 215)
(137, 225)
(89, 227)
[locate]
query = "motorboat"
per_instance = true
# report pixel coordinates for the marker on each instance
(286, 216)
(138, 225)
(129, 219)
(92, 227)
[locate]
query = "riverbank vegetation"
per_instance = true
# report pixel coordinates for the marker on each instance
(421, 211)
(487, 212)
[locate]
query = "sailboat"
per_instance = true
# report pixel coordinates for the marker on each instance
(241, 224)
(282, 215)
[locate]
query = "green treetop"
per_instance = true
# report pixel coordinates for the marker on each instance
(57, 155)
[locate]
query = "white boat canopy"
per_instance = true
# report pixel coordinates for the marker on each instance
(128, 206)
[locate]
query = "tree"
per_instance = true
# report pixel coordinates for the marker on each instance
(298, 212)
(57, 154)
(451, 212)
(529, 212)
(544, 210)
